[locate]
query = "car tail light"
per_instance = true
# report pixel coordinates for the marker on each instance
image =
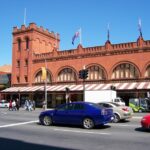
(125, 109)
(103, 112)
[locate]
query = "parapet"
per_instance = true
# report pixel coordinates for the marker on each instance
(33, 26)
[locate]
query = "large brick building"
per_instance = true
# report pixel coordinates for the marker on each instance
(125, 66)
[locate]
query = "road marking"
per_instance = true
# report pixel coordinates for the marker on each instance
(18, 124)
(77, 131)
(123, 125)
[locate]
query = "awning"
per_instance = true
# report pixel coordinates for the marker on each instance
(88, 87)
(22, 89)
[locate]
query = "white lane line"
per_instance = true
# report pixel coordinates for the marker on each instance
(77, 131)
(123, 125)
(18, 124)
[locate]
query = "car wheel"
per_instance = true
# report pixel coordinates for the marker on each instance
(116, 118)
(47, 121)
(88, 123)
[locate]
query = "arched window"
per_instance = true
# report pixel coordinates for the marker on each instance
(38, 77)
(19, 44)
(96, 73)
(66, 74)
(125, 71)
(147, 72)
(27, 43)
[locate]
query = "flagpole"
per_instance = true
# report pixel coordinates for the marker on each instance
(140, 27)
(56, 40)
(25, 16)
(80, 36)
(108, 32)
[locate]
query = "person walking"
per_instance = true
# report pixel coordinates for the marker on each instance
(30, 105)
(44, 105)
(17, 104)
(10, 105)
(14, 105)
(27, 105)
(33, 104)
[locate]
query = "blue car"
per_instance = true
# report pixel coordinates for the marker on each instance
(77, 113)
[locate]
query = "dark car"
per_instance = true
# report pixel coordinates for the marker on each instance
(77, 113)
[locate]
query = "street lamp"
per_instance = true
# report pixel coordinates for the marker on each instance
(46, 85)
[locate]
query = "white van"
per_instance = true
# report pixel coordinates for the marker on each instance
(119, 101)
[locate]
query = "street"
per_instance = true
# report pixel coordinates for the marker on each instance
(21, 130)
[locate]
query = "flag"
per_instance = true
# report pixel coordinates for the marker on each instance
(140, 27)
(44, 73)
(76, 35)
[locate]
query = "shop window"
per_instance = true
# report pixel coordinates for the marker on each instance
(124, 71)
(38, 77)
(66, 74)
(96, 73)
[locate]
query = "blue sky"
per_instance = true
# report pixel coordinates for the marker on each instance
(67, 16)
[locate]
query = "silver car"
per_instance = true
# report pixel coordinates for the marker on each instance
(120, 112)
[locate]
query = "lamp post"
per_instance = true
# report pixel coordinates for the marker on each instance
(19, 96)
(46, 85)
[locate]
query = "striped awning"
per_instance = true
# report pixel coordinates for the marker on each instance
(88, 87)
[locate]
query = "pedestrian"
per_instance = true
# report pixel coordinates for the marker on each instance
(44, 105)
(27, 104)
(17, 104)
(33, 103)
(10, 105)
(30, 105)
(14, 105)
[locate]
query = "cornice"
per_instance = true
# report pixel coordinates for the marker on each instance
(80, 55)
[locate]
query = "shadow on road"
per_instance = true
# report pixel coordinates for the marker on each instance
(10, 144)
(75, 126)
(140, 129)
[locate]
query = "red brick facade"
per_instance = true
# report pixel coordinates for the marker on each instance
(34, 46)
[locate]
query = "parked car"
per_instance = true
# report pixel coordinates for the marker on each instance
(4, 104)
(145, 122)
(77, 113)
(120, 112)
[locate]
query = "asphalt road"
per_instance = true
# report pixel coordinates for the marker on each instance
(21, 130)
